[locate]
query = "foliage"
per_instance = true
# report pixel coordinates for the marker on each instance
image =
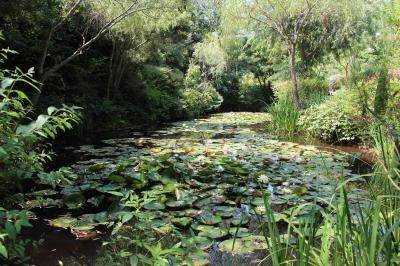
(23, 150)
(12, 246)
(200, 100)
(312, 91)
(161, 89)
(284, 116)
(198, 97)
(334, 121)
(382, 93)
(365, 237)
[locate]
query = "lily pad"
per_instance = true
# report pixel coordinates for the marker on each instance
(242, 232)
(154, 205)
(209, 218)
(214, 233)
(182, 221)
(243, 245)
(74, 201)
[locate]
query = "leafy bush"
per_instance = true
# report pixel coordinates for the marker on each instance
(22, 153)
(200, 100)
(12, 247)
(284, 116)
(253, 95)
(312, 91)
(161, 87)
(334, 121)
(21, 145)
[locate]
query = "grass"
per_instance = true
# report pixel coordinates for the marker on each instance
(284, 116)
(360, 233)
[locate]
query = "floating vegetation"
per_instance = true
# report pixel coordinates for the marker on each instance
(207, 176)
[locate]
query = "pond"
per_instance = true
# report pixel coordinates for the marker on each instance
(207, 176)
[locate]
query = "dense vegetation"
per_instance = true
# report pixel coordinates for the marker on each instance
(215, 189)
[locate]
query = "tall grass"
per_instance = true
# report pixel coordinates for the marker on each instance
(284, 116)
(344, 232)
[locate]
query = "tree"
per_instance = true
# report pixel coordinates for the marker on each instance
(289, 19)
(100, 17)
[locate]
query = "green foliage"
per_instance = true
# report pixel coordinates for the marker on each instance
(334, 121)
(254, 96)
(382, 93)
(198, 97)
(12, 247)
(200, 100)
(140, 238)
(312, 91)
(284, 116)
(161, 86)
(21, 150)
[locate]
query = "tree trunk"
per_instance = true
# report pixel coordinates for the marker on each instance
(293, 74)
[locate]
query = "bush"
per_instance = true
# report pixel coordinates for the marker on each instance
(284, 116)
(22, 154)
(253, 95)
(200, 100)
(312, 91)
(334, 121)
(161, 89)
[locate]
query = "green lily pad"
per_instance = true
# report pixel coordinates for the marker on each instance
(300, 191)
(214, 233)
(74, 201)
(200, 258)
(200, 242)
(209, 218)
(117, 178)
(97, 167)
(182, 221)
(242, 232)
(154, 205)
(224, 211)
(63, 222)
(237, 220)
(243, 245)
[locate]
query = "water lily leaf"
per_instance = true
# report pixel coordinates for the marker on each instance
(154, 205)
(224, 211)
(242, 232)
(300, 191)
(214, 233)
(182, 221)
(97, 167)
(209, 218)
(63, 222)
(74, 201)
(200, 258)
(200, 242)
(117, 178)
(243, 245)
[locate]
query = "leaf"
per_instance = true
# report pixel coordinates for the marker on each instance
(133, 260)
(51, 110)
(74, 200)
(5, 83)
(3, 250)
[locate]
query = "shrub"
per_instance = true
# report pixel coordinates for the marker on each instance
(312, 91)
(334, 121)
(22, 154)
(284, 116)
(200, 100)
(253, 94)
(161, 89)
